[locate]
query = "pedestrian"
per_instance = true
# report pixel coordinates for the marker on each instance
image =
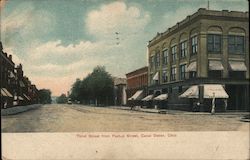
(213, 104)
(225, 102)
(132, 104)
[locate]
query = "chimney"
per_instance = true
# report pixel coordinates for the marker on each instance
(10, 57)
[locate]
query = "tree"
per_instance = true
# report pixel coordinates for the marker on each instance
(62, 99)
(76, 90)
(44, 96)
(97, 86)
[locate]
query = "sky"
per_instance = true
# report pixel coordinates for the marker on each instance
(58, 41)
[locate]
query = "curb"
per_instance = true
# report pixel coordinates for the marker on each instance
(18, 109)
(185, 113)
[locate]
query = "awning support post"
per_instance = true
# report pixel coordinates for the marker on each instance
(201, 97)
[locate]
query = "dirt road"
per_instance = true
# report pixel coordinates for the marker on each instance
(79, 118)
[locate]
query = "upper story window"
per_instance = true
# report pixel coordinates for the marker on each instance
(157, 60)
(164, 76)
(174, 53)
(165, 57)
(173, 74)
(194, 45)
(151, 62)
(183, 49)
(236, 44)
(214, 43)
(183, 71)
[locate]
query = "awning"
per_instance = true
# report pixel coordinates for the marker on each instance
(210, 91)
(137, 96)
(192, 67)
(215, 66)
(12, 75)
(214, 90)
(3, 93)
(148, 98)
(191, 92)
(7, 92)
(237, 66)
(27, 97)
(18, 97)
(156, 76)
(161, 97)
(21, 84)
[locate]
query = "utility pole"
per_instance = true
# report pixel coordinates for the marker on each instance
(208, 5)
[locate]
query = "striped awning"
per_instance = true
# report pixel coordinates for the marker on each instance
(148, 98)
(156, 76)
(137, 96)
(21, 84)
(237, 66)
(5, 92)
(192, 67)
(161, 97)
(215, 66)
(27, 97)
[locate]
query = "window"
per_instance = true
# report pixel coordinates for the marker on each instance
(192, 74)
(157, 60)
(151, 62)
(194, 45)
(183, 71)
(180, 89)
(236, 44)
(173, 74)
(165, 57)
(183, 49)
(164, 76)
(174, 53)
(214, 74)
(237, 74)
(214, 43)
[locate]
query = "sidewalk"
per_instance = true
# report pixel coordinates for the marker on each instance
(150, 110)
(19, 109)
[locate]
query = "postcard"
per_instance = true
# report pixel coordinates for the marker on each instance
(124, 79)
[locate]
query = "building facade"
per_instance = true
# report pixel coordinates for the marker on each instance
(7, 78)
(16, 89)
(120, 96)
(208, 47)
(137, 80)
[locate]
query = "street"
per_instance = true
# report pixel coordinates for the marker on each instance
(79, 118)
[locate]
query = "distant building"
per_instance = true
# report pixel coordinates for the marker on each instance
(137, 82)
(209, 49)
(120, 96)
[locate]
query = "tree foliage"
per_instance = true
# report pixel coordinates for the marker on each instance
(62, 99)
(44, 96)
(97, 88)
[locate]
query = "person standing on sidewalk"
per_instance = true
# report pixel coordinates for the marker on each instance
(213, 104)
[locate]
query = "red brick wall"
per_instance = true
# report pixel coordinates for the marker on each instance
(137, 78)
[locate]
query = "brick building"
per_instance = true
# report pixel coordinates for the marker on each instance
(137, 82)
(207, 48)
(7, 78)
(16, 89)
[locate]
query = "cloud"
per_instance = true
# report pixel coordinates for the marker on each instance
(24, 24)
(52, 50)
(15, 58)
(116, 17)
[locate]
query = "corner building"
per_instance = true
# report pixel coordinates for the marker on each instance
(208, 47)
